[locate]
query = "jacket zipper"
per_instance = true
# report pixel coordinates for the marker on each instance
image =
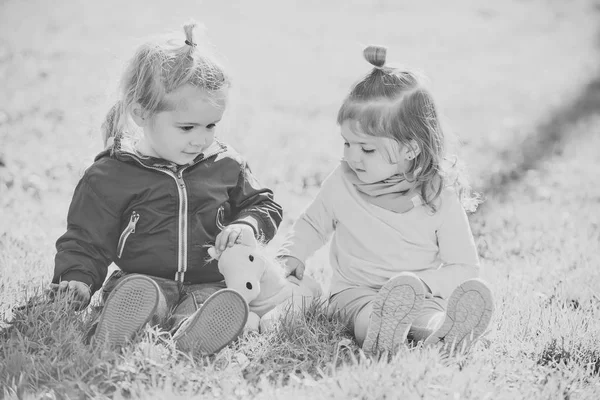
(129, 229)
(183, 211)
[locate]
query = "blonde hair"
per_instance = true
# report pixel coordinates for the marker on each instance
(157, 69)
(393, 103)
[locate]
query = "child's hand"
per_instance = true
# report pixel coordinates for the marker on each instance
(293, 266)
(80, 291)
(231, 235)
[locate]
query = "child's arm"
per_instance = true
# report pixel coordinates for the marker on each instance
(457, 250)
(86, 250)
(252, 204)
(311, 231)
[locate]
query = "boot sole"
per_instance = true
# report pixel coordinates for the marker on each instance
(469, 312)
(130, 305)
(218, 322)
(397, 304)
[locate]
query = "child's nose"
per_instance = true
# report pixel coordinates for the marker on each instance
(199, 140)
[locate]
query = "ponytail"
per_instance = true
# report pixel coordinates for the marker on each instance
(110, 126)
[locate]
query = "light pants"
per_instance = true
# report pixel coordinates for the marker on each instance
(356, 306)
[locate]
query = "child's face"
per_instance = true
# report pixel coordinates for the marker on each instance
(186, 129)
(363, 153)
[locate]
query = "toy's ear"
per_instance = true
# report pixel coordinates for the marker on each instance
(248, 240)
(213, 253)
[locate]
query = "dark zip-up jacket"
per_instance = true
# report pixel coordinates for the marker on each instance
(151, 217)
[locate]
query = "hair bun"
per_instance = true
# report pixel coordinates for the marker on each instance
(188, 29)
(375, 55)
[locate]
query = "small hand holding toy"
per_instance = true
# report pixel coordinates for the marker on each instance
(260, 280)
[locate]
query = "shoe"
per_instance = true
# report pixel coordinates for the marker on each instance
(218, 322)
(131, 305)
(469, 312)
(397, 304)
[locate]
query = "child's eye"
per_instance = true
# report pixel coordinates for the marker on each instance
(186, 128)
(211, 126)
(367, 151)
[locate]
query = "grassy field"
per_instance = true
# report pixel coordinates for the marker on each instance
(517, 81)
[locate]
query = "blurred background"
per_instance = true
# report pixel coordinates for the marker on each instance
(497, 69)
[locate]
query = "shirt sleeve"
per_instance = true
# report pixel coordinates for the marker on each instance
(455, 238)
(88, 246)
(457, 249)
(313, 228)
(254, 205)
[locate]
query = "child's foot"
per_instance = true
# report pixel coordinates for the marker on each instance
(130, 305)
(218, 322)
(396, 306)
(469, 312)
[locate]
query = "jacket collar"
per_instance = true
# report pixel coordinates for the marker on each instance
(215, 148)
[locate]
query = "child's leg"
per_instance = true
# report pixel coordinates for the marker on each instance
(429, 319)
(361, 322)
(469, 312)
(397, 304)
(215, 320)
(133, 302)
(354, 306)
(380, 319)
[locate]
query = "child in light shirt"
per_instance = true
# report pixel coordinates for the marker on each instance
(404, 261)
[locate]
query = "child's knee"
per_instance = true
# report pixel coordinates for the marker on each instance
(361, 323)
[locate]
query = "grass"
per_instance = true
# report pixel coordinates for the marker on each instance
(45, 348)
(517, 80)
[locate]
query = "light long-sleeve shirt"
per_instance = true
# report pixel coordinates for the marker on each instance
(370, 244)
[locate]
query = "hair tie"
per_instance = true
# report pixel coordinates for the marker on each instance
(189, 43)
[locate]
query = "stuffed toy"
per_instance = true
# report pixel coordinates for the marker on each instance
(260, 280)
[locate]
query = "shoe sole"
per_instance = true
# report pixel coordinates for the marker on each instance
(219, 321)
(397, 304)
(130, 305)
(469, 312)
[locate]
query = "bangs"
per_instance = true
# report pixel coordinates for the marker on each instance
(373, 119)
(370, 116)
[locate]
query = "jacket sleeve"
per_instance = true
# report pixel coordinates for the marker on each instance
(254, 205)
(88, 247)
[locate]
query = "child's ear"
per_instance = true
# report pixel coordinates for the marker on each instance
(412, 150)
(212, 252)
(139, 114)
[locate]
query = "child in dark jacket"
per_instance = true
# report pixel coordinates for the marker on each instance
(162, 190)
